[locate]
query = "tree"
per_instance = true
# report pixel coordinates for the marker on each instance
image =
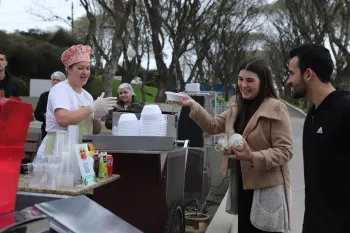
(190, 27)
(136, 38)
(29, 57)
(336, 15)
(107, 21)
(234, 41)
(317, 20)
(280, 34)
(118, 12)
(154, 15)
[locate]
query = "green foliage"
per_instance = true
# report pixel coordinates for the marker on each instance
(33, 58)
(303, 105)
(95, 88)
(60, 37)
(35, 54)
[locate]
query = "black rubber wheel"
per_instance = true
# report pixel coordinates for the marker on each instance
(175, 222)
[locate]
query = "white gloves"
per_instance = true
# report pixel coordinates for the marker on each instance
(101, 105)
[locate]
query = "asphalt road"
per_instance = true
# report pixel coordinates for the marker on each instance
(297, 172)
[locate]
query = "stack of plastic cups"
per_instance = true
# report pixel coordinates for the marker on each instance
(67, 178)
(60, 142)
(52, 170)
(55, 177)
(60, 146)
(73, 136)
(60, 163)
(38, 175)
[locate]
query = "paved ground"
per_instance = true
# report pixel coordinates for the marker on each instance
(297, 172)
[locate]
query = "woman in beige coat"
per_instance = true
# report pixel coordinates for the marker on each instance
(259, 189)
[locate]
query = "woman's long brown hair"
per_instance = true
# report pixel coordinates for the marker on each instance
(266, 90)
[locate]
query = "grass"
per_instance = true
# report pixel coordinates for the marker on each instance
(300, 105)
(96, 88)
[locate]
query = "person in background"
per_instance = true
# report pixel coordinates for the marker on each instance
(259, 188)
(40, 110)
(9, 86)
(69, 104)
(126, 102)
(326, 138)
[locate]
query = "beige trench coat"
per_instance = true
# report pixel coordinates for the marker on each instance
(269, 136)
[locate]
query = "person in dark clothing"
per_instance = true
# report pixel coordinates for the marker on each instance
(9, 86)
(326, 138)
(40, 110)
(126, 102)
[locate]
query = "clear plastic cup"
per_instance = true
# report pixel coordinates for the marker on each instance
(28, 169)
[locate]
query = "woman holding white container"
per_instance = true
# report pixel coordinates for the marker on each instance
(259, 191)
(69, 104)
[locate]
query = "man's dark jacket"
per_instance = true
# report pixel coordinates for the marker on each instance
(326, 149)
(11, 85)
(40, 111)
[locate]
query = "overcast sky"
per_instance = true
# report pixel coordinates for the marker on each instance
(16, 14)
(19, 15)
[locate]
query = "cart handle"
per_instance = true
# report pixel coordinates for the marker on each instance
(184, 142)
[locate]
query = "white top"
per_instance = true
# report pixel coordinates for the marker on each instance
(63, 96)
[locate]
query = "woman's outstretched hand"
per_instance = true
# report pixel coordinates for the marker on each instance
(185, 101)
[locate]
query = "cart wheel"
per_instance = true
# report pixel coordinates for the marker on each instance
(175, 222)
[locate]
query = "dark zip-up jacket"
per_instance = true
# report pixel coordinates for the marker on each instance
(40, 111)
(326, 149)
(10, 85)
(135, 107)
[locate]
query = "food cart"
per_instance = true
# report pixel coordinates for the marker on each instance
(150, 195)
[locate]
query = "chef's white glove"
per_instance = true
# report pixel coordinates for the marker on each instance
(99, 115)
(103, 104)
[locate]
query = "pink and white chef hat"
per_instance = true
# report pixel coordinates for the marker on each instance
(75, 54)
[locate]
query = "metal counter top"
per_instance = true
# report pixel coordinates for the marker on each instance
(130, 144)
(150, 152)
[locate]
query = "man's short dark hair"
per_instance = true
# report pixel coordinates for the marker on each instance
(316, 58)
(1, 52)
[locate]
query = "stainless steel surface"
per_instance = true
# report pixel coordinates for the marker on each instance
(176, 167)
(198, 168)
(187, 129)
(172, 126)
(198, 175)
(129, 143)
(149, 152)
(182, 142)
(25, 221)
(209, 100)
(25, 199)
(80, 215)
